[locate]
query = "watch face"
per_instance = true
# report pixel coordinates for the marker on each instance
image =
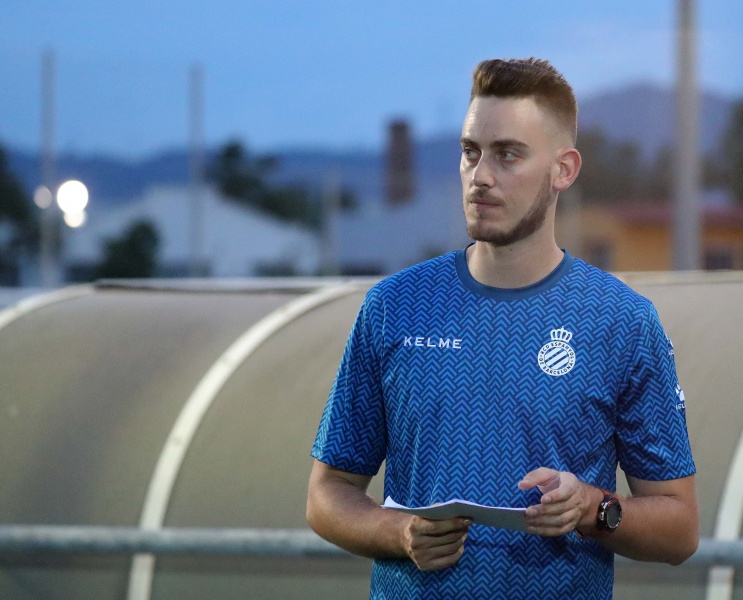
(610, 513)
(613, 514)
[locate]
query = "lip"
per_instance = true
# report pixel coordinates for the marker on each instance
(481, 202)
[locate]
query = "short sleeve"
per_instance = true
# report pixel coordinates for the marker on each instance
(653, 441)
(352, 433)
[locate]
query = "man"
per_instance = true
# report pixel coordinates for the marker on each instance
(507, 374)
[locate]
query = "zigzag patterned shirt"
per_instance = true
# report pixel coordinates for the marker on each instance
(464, 388)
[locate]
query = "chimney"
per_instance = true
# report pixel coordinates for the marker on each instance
(400, 185)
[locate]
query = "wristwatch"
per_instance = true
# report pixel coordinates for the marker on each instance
(609, 515)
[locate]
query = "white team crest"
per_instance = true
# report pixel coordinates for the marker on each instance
(557, 357)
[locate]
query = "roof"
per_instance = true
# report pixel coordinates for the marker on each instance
(661, 214)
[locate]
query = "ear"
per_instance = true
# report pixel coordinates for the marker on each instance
(568, 165)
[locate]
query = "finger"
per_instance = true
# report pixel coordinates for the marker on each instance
(441, 563)
(430, 527)
(444, 540)
(567, 491)
(553, 505)
(544, 478)
(422, 548)
(553, 524)
(435, 547)
(550, 485)
(439, 557)
(561, 495)
(551, 530)
(557, 519)
(439, 541)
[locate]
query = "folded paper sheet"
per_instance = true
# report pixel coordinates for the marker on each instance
(494, 516)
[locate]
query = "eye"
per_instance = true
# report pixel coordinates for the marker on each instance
(470, 153)
(507, 155)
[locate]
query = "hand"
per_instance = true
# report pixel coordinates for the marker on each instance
(565, 502)
(435, 545)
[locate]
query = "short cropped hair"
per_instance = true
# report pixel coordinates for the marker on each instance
(529, 78)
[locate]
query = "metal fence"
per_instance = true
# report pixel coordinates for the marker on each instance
(238, 542)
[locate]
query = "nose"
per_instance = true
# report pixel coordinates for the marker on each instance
(483, 174)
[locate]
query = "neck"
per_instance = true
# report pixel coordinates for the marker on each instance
(518, 265)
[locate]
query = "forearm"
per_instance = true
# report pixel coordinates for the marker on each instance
(344, 514)
(653, 528)
(660, 522)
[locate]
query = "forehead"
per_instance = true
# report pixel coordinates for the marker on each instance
(490, 118)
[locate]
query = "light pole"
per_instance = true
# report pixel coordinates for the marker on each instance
(686, 215)
(197, 259)
(43, 196)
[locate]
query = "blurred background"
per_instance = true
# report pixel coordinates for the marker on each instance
(203, 162)
(233, 139)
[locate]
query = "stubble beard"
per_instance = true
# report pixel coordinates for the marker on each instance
(531, 222)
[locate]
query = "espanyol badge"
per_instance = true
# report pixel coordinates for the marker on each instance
(557, 357)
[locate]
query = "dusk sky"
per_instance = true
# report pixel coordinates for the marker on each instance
(327, 74)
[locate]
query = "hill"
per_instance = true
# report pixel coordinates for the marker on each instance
(642, 113)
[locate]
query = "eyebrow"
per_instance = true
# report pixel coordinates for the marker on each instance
(504, 143)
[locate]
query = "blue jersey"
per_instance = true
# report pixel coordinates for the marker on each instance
(463, 389)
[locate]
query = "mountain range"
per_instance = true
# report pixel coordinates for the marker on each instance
(641, 113)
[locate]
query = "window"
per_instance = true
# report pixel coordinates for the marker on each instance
(599, 254)
(718, 258)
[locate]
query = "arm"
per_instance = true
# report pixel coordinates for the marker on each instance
(660, 521)
(339, 510)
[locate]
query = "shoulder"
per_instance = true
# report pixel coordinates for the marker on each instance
(417, 278)
(610, 291)
(405, 292)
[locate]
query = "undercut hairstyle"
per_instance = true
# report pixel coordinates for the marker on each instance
(529, 78)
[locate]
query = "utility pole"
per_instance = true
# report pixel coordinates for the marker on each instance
(686, 214)
(197, 259)
(329, 230)
(48, 170)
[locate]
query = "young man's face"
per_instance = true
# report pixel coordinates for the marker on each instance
(509, 147)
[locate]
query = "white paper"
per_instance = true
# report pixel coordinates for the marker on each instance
(494, 516)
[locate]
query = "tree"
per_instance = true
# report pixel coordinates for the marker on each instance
(18, 226)
(131, 256)
(238, 176)
(14, 205)
(659, 182)
(244, 179)
(733, 152)
(613, 171)
(610, 170)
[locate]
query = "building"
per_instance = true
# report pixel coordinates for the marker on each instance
(417, 215)
(228, 240)
(639, 237)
